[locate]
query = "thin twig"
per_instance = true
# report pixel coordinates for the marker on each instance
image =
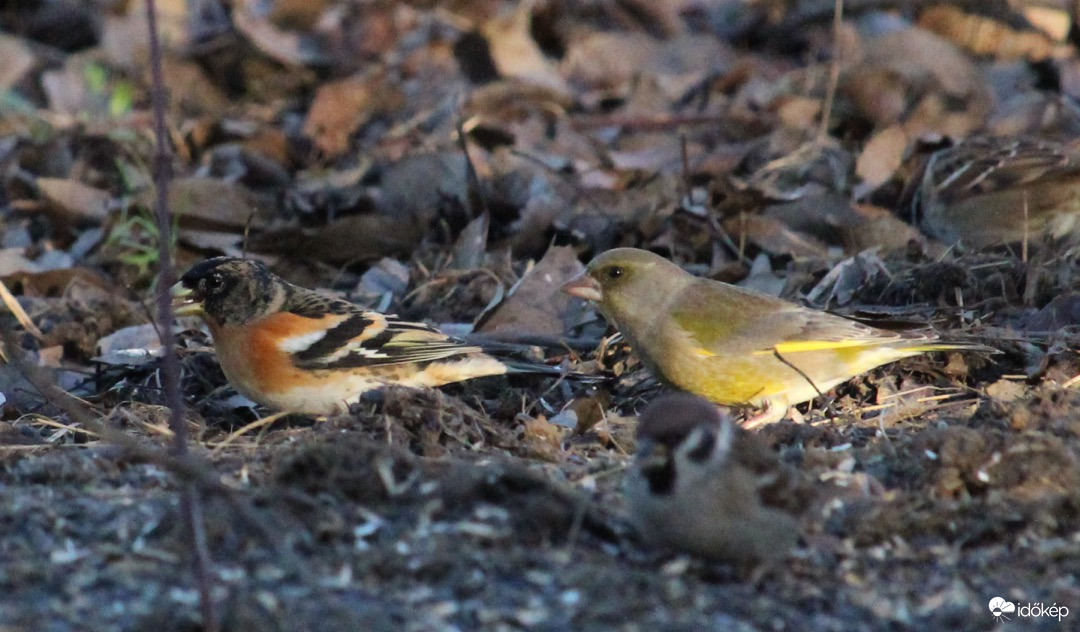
(828, 404)
(258, 423)
(684, 154)
(516, 340)
(195, 471)
(162, 164)
(471, 176)
(1024, 244)
(20, 314)
(583, 193)
(834, 72)
(191, 502)
(660, 122)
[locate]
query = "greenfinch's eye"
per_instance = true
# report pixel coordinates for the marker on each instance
(615, 272)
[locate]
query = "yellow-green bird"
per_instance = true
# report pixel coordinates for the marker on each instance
(735, 346)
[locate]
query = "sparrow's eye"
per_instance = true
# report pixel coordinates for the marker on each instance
(615, 272)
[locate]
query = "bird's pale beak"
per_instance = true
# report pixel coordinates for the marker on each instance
(182, 302)
(645, 449)
(583, 286)
(651, 455)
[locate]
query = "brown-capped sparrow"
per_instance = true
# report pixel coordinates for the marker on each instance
(985, 191)
(702, 485)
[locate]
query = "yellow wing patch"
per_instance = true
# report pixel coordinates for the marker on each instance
(704, 353)
(799, 346)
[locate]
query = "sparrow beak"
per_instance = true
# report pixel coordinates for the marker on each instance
(183, 304)
(651, 454)
(583, 286)
(654, 463)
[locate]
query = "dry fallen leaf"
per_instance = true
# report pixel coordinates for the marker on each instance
(342, 107)
(1006, 390)
(130, 346)
(1053, 21)
(418, 185)
(226, 242)
(773, 236)
(69, 93)
(916, 54)
(49, 283)
(840, 284)
(349, 239)
(881, 229)
(881, 157)
(292, 48)
(18, 60)
(608, 60)
(613, 60)
(536, 305)
(914, 75)
(1062, 311)
(192, 89)
(471, 246)
(799, 112)
(985, 36)
(879, 94)
(75, 202)
(761, 277)
(514, 51)
(125, 38)
(202, 202)
(298, 14)
(14, 260)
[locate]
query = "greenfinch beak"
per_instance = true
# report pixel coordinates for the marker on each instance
(583, 286)
(183, 304)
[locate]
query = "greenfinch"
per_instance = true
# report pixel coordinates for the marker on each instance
(735, 346)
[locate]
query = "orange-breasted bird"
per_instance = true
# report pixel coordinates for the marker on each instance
(289, 348)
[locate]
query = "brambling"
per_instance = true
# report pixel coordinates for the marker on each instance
(704, 486)
(289, 348)
(735, 346)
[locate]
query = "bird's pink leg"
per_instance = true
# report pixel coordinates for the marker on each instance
(770, 413)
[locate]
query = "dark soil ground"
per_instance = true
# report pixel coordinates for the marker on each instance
(464, 508)
(422, 158)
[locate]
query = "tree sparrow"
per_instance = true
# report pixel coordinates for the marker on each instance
(702, 485)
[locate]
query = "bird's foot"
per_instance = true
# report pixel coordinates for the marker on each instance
(770, 413)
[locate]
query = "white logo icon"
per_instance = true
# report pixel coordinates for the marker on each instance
(999, 608)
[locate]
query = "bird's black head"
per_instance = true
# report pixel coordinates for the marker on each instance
(226, 291)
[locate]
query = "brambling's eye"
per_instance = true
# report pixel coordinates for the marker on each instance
(615, 272)
(213, 283)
